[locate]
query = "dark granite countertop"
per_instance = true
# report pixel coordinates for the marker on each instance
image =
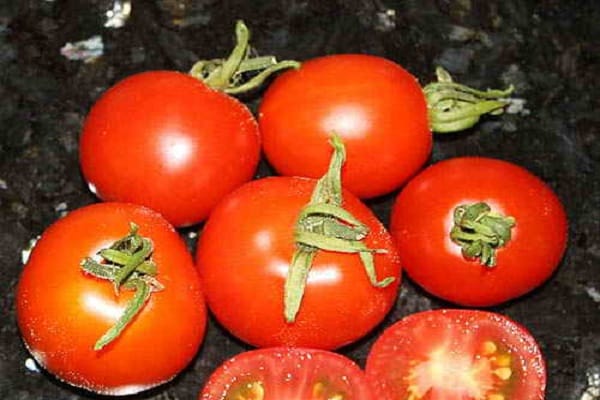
(548, 49)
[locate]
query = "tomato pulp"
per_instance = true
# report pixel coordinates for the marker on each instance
(287, 374)
(456, 355)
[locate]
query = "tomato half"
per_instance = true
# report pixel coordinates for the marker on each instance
(287, 373)
(167, 141)
(423, 219)
(376, 106)
(62, 311)
(456, 355)
(244, 254)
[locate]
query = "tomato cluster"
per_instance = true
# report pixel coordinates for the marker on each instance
(295, 264)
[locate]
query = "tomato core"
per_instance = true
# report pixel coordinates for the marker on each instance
(448, 375)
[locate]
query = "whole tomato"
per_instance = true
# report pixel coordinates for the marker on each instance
(478, 231)
(261, 244)
(166, 140)
(72, 318)
(377, 108)
(375, 105)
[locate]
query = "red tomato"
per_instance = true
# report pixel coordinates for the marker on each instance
(167, 141)
(376, 106)
(422, 219)
(63, 311)
(244, 253)
(287, 374)
(456, 355)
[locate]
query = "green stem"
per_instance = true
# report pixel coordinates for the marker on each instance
(126, 264)
(480, 232)
(228, 74)
(134, 306)
(324, 225)
(295, 282)
(454, 107)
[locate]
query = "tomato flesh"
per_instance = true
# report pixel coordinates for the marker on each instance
(283, 373)
(457, 355)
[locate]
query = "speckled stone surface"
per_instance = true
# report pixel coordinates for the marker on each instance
(548, 49)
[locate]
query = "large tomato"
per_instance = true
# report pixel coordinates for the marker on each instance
(168, 141)
(63, 311)
(376, 106)
(509, 239)
(244, 254)
(456, 355)
(285, 373)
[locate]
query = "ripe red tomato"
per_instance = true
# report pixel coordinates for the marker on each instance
(167, 141)
(62, 311)
(376, 106)
(287, 373)
(456, 355)
(244, 254)
(423, 217)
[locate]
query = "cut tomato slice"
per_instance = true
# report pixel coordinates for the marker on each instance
(281, 373)
(456, 355)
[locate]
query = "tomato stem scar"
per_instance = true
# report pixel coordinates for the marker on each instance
(324, 225)
(454, 107)
(227, 74)
(127, 264)
(479, 232)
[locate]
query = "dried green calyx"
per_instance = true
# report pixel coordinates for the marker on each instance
(454, 107)
(324, 225)
(228, 75)
(479, 232)
(128, 265)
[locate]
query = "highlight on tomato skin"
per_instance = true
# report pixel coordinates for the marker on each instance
(67, 302)
(287, 373)
(454, 354)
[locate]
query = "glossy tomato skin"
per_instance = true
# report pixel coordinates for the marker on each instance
(494, 355)
(62, 311)
(167, 141)
(421, 220)
(291, 374)
(376, 106)
(243, 255)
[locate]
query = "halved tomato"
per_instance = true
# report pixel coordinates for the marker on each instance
(286, 373)
(456, 355)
